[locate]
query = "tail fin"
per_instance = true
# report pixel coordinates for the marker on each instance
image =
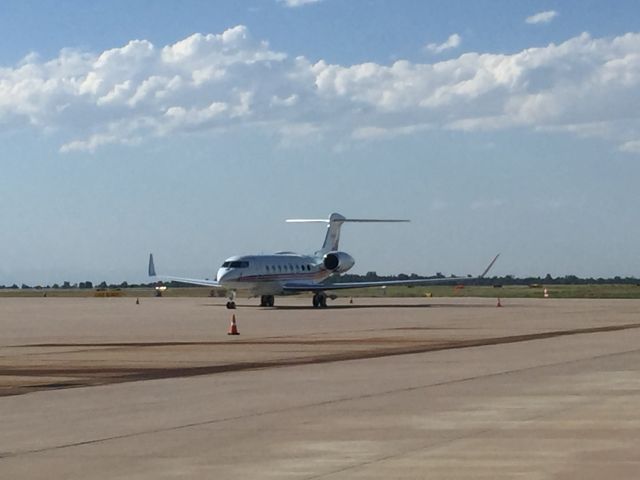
(334, 222)
(152, 267)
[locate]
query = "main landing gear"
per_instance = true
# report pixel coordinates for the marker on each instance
(319, 300)
(231, 304)
(267, 301)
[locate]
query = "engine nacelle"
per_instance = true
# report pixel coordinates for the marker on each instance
(338, 262)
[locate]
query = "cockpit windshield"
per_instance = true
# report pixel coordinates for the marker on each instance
(235, 264)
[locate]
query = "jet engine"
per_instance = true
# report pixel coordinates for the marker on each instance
(338, 262)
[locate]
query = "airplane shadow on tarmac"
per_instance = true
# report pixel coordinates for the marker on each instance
(352, 306)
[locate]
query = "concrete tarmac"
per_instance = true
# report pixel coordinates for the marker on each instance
(383, 388)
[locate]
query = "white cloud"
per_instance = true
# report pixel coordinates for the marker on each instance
(632, 146)
(541, 17)
(297, 3)
(381, 133)
(584, 86)
(453, 41)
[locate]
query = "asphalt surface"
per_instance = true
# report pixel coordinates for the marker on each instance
(381, 388)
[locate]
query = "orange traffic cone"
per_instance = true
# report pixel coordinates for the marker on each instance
(498, 304)
(233, 328)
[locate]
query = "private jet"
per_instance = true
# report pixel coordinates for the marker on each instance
(287, 273)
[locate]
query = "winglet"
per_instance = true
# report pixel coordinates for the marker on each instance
(152, 267)
(486, 270)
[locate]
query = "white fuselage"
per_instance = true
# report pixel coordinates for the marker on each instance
(266, 274)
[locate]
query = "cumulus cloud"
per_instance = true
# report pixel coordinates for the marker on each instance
(453, 41)
(541, 17)
(632, 146)
(297, 3)
(588, 87)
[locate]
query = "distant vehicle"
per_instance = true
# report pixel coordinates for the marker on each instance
(287, 273)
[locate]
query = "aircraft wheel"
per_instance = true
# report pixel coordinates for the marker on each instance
(319, 300)
(231, 305)
(264, 302)
(270, 301)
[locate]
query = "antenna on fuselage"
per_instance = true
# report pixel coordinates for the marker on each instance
(335, 221)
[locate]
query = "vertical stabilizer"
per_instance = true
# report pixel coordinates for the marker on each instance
(332, 238)
(152, 267)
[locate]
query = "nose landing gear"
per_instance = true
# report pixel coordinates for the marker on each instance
(231, 304)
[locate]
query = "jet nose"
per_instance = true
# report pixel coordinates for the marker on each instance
(224, 274)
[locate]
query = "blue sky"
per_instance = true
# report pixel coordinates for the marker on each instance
(193, 129)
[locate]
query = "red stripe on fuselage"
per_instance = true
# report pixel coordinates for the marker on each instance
(280, 277)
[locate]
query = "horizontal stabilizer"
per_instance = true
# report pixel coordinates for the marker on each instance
(334, 222)
(344, 220)
(307, 220)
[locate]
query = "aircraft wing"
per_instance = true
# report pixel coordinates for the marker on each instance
(302, 287)
(192, 281)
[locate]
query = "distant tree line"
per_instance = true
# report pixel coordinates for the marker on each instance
(368, 277)
(66, 285)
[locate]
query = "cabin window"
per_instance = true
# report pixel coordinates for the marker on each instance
(279, 268)
(266, 268)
